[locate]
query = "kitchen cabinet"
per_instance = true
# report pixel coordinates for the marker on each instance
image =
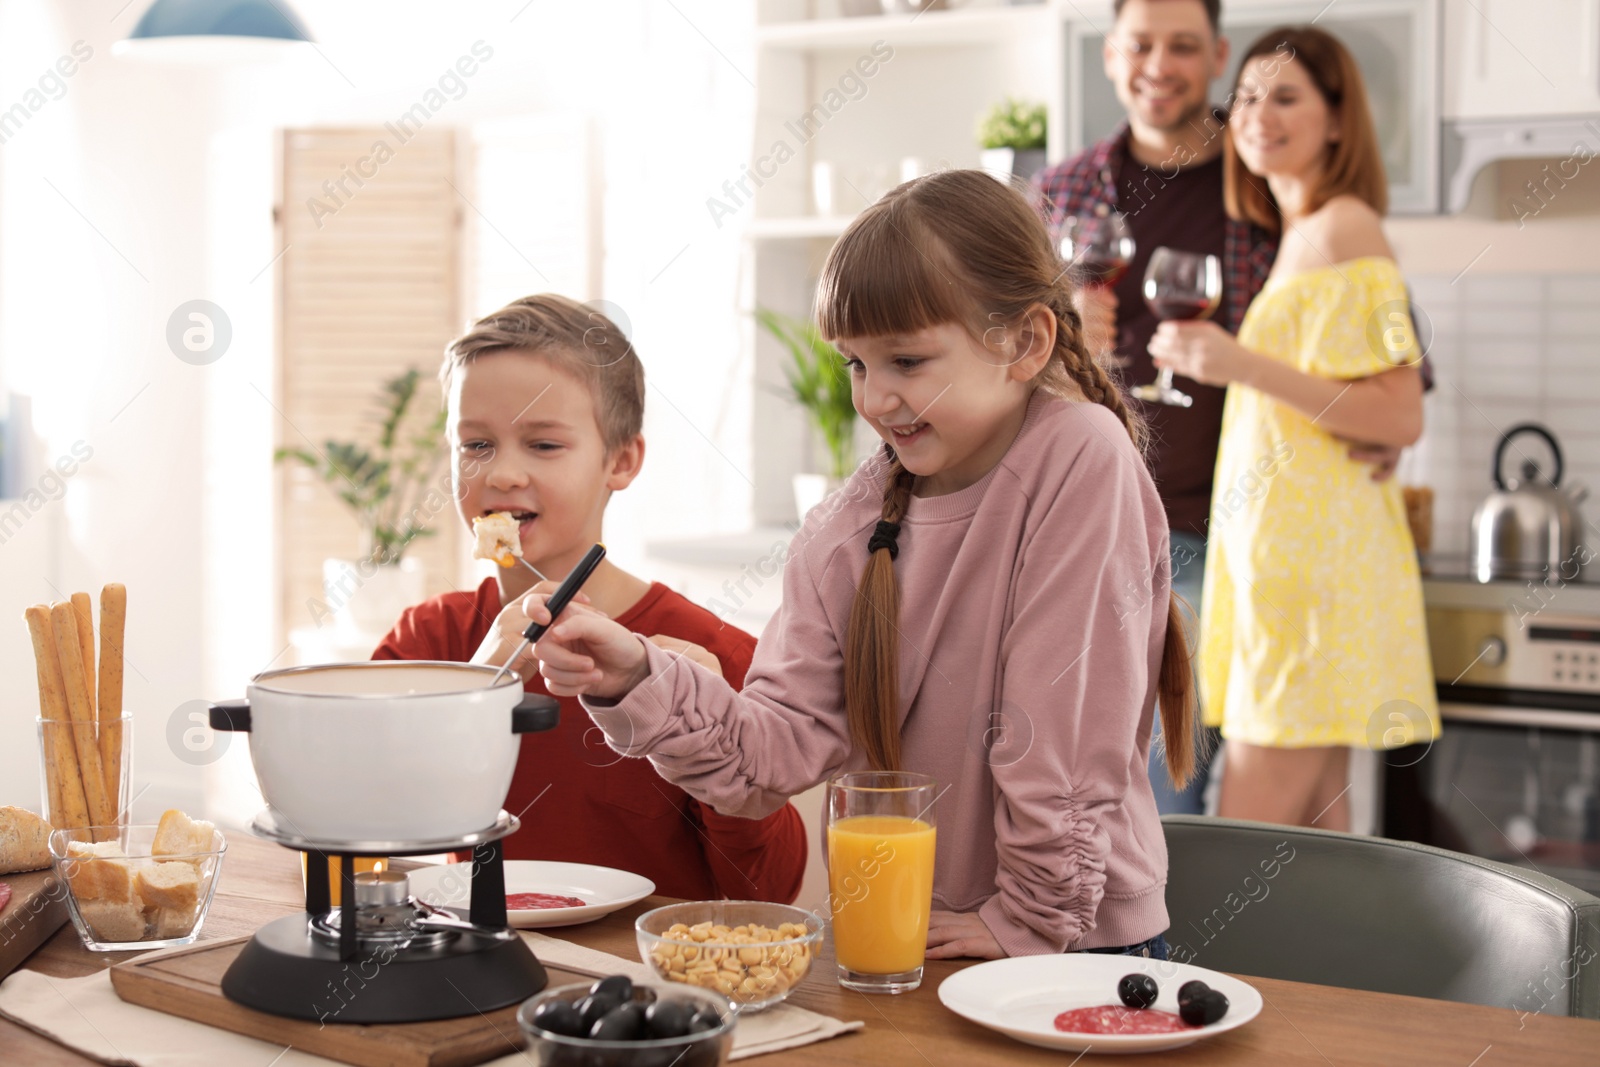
(1509, 58)
(1395, 42)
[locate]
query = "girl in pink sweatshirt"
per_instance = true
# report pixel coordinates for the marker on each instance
(986, 601)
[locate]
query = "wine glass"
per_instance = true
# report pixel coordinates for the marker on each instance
(1099, 249)
(1178, 285)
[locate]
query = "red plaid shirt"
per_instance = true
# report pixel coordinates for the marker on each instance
(1086, 184)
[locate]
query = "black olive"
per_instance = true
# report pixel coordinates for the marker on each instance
(1137, 990)
(1204, 1009)
(592, 1007)
(1192, 989)
(617, 986)
(668, 1018)
(705, 1018)
(558, 1017)
(623, 1023)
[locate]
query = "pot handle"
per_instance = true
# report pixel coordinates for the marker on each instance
(233, 715)
(1533, 428)
(535, 714)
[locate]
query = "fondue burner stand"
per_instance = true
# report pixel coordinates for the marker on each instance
(383, 956)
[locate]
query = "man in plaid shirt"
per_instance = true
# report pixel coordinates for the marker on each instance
(1162, 169)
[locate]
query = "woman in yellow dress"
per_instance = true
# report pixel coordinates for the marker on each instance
(1311, 635)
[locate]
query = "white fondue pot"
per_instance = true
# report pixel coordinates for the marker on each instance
(388, 750)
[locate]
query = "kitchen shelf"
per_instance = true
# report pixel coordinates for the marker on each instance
(992, 25)
(797, 228)
(922, 102)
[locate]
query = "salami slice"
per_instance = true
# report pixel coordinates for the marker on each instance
(5, 896)
(534, 901)
(1116, 1019)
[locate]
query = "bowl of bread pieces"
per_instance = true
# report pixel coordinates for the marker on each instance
(139, 886)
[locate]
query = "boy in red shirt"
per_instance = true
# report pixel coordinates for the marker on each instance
(546, 403)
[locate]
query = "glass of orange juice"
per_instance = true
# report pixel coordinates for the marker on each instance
(880, 877)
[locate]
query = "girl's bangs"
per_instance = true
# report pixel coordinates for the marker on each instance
(887, 275)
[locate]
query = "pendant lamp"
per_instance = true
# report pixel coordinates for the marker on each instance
(208, 31)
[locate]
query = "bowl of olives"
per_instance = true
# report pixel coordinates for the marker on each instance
(614, 1022)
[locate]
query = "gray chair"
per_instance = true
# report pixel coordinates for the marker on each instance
(1369, 913)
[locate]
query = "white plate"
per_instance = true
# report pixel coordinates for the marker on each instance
(606, 889)
(1021, 997)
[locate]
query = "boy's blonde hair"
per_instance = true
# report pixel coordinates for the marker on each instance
(578, 339)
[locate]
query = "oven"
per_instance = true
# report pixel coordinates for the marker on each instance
(1515, 773)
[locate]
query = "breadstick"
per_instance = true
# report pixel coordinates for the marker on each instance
(38, 620)
(101, 810)
(66, 785)
(113, 618)
(85, 620)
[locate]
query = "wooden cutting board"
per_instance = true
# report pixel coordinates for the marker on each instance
(38, 908)
(188, 982)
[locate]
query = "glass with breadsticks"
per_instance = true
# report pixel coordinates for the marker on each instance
(85, 743)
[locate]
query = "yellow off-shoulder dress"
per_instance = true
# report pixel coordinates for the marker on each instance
(1311, 631)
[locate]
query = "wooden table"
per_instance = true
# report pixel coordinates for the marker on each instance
(1318, 1026)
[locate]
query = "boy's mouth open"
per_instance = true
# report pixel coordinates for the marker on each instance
(523, 519)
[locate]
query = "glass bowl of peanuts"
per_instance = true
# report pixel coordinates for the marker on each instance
(752, 952)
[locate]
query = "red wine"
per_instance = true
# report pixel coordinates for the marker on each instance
(1101, 270)
(1180, 308)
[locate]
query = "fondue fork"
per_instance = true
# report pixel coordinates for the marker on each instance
(563, 596)
(532, 568)
(434, 917)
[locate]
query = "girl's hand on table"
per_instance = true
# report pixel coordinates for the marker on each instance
(1202, 351)
(953, 934)
(585, 654)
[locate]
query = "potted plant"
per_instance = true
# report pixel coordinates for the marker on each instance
(389, 489)
(1012, 136)
(819, 383)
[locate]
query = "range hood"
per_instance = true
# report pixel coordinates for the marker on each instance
(1468, 145)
